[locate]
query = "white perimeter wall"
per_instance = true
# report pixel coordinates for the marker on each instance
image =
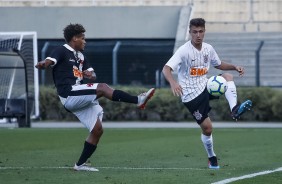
(100, 22)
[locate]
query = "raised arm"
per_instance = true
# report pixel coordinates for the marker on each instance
(227, 66)
(44, 64)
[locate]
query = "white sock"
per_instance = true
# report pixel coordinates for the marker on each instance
(208, 144)
(231, 94)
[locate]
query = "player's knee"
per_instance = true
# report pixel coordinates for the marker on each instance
(227, 76)
(207, 131)
(100, 132)
(102, 88)
(98, 128)
(97, 133)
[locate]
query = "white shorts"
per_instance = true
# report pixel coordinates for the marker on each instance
(85, 107)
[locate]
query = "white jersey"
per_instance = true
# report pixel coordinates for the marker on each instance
(192, 66)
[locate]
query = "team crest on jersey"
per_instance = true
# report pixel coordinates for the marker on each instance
(197, 115)
(205, 58)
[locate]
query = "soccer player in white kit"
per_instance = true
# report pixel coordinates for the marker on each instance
(70, 67)
(192, 62)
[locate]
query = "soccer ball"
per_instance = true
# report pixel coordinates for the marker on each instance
(216, 85)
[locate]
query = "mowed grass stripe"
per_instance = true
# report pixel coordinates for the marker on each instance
(115, 168)
(176, 155)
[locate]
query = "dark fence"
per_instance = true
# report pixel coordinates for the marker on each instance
(136, 60)
(139, 62)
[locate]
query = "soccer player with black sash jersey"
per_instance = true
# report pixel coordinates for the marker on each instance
(70, 67)
(191, 62)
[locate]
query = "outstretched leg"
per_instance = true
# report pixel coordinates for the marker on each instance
(231, 92)
(231, 95)
(103, 90)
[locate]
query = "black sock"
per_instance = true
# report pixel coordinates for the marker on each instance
(122, 96)
(88, 150)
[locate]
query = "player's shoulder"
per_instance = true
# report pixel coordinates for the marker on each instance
(61, 49)
(208, 46)
(185, 45)
(205, 44)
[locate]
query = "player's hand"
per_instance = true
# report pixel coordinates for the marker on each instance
(40, 65)
(89, 74)
(176, 89)
(240, 70)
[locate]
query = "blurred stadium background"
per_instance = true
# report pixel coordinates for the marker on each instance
(141, 35)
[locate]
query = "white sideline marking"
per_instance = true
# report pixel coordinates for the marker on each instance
(248, 176)
(151, 168)
(118, 168)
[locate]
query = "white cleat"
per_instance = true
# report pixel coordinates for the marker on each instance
(144, 97)
(84, 167)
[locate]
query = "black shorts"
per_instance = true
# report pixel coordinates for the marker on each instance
(200, 106)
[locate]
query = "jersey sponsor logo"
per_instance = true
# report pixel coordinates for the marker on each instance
(197, 115)
(198, 71)
(77, 73)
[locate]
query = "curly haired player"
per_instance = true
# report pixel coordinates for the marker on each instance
(70, 67)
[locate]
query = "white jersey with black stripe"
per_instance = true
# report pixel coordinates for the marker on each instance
(192, 66)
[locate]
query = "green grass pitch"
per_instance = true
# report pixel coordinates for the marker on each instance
(133, 156)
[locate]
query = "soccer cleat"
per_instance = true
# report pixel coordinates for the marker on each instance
(144, 97)
(238, 110)
(213, 163)
(84, 167)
